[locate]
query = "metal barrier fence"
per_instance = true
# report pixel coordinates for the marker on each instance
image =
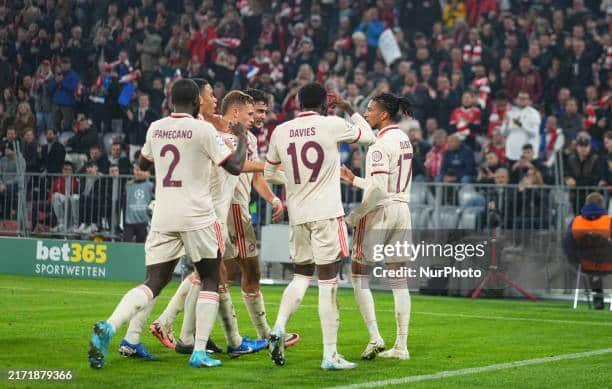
(83, 205)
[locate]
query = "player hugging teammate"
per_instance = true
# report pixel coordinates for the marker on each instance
(205, 167)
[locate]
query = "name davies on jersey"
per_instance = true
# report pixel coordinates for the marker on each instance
(71, 259)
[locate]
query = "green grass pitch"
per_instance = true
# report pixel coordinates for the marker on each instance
(46, 324)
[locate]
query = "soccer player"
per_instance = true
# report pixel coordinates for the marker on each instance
(242, 249)
(235, 107)
(383, 217)
(307, 149)
(183, 150)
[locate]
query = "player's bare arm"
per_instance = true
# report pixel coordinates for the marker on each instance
(264, 190)
(234, 164)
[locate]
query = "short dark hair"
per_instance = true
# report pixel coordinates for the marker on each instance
(90, 164)
(184, 92)
(393, 104)
(201, 83)
(608, 135)
(527, 146)
(258, 95)
(312, 96)
(68, 163)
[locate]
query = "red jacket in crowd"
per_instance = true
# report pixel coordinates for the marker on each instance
(530, 82)
(58, 185)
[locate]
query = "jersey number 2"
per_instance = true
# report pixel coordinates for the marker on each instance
(315, 166)
(176, 157)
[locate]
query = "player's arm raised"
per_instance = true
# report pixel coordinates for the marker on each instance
(361, 132)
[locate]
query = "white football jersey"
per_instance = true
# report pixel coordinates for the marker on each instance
(307, 149)
(184, 151)
(223, 184)
(242, 194)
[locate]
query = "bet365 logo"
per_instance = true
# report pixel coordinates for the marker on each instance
(72, 252)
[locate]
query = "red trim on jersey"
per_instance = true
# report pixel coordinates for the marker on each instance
(358, 136)
(306, 113)
(205, 295)
(360, 233)
(147, 291)
(388, 128)
(332, 281)
(272, 162)
(379, 172)
(342, 237)
(180, 115)
(225, 159)
(219, 235)
(240, 241)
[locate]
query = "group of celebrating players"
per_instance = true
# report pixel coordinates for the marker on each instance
(206, 165)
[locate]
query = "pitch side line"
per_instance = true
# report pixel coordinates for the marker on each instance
(444, 314)
(475, 370)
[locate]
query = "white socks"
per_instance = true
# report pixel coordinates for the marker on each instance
(292, 297)
(365, 301)
(132, 302)
(257, 312)
(189, 318)
(329, 315)
(401, 297)
(228, 317)
(176, 304)
(138, 322)
(206, 312)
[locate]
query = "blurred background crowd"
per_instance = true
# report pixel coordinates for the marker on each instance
(502, 92)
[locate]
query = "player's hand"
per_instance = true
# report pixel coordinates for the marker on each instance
(347, 175)
(336, 101)
(277, 210)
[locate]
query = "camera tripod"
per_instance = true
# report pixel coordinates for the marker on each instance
(495, 274)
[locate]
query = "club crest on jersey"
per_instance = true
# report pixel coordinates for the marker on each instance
(376, 156)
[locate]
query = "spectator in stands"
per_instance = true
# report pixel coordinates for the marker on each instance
(91, 191)
(138, 124)
(52, 154)
(446, 100)
(486, 172)
(501, 201)
(64, 197)
(498, 111)
(497, 145)
(419, 150)
(97, 156)
(24, 119)
(521, 126)
(525, 79)
(552, 142)
(465, 121)
(85, 136)
(584, 167)
(117, 158)
(9, 165)
(43, 103)
(532, 202)
(31, 152)
(435, 156)
(139, 193)
(458, 163)
(527, 161)
(571, 121)
(453, 12)
(63, 87)
(9, 140)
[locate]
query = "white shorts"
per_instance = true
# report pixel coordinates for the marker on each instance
(163, 247)
(320, 242)
(385, 225)
(242, 241)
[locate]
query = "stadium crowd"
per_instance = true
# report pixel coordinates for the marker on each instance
(501, 91)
